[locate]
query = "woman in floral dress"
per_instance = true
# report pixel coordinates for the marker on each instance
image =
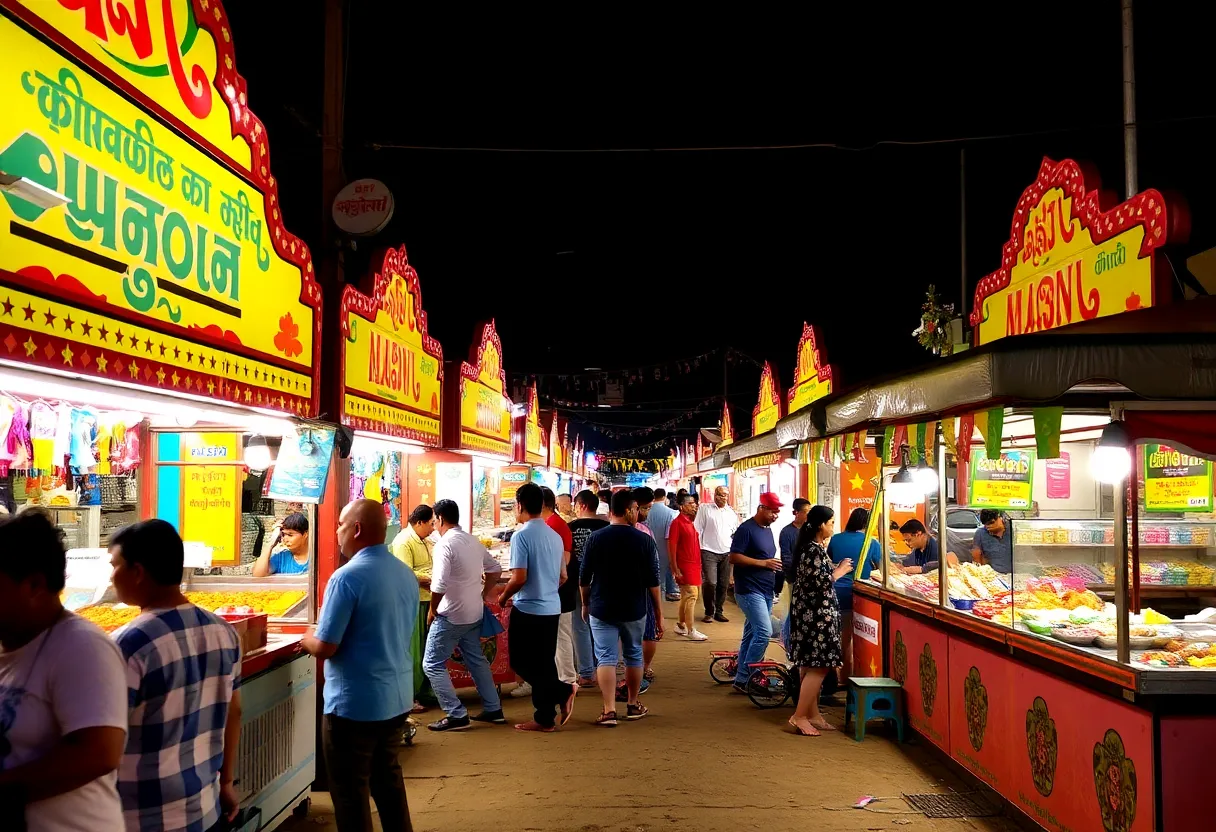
(814, 618)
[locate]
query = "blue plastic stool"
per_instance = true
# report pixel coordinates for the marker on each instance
(874, 698)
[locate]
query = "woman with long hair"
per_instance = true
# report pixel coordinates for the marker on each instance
(815, 618)
(848, 544)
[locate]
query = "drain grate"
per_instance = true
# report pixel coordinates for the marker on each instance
(953, 805)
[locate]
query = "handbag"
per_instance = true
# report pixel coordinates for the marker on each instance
(490, 625)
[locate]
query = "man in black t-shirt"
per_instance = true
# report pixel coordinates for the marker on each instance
(586, 504)
(617, 572)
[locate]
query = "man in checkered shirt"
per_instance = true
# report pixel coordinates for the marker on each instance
(183, 669)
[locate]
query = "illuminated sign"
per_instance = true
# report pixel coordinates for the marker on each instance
(725, 427)
(169, 267)
(485, 409)
(812, 378)
(533, 446)
(767, 411)
(1070, 259)
(391, 366)
(1175, 480)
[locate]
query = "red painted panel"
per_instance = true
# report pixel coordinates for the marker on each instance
(1186, 772)
(920, 660)
(983, 726)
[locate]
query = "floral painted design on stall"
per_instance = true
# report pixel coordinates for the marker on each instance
(975, 702)
(1042, 746)
(899, 658)
(928, 680)
(1114, 783)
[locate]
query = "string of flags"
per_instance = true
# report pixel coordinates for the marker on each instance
(619, 433)
(625, 465)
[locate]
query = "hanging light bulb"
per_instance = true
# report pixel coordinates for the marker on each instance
(1112, 462)
(904, 489)
(257, 453)
(925, 478)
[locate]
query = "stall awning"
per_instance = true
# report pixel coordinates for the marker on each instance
(714, 462)
(765, 443)
(1036, 369)
(797, 427)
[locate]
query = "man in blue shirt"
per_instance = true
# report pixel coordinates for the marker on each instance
(754, 555)
(993, 544)
(367, 620)
(925, 553)
(537, 570)
(659, 522)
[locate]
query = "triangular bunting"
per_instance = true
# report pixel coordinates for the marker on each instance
(992, 439)
(948, 436)
(888, 440)
(1047, 431)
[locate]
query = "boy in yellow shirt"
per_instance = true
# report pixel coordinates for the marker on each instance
(413, 546)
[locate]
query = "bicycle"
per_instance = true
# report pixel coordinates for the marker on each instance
(771, 684)
(723, 666)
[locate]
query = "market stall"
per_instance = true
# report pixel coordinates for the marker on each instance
(759, 462)
(392, 376)
(713, 463)
(1081, 619)
(141, 373)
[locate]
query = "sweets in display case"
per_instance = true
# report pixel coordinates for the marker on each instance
(274, 603)
(109, 617)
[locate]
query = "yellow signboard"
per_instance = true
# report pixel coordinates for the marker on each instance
(533, 448)
(726, 428)
(392, 367)
(211, 493)
(485, 410)
(1175, 480)
(178, 61)
(812, 378)
(1068, 260)
(164, 269)
(557, 449)
(767, 411)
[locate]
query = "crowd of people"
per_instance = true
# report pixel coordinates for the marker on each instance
(140, 730)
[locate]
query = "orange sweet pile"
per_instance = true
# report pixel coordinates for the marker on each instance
(107, 616)
(274, 603)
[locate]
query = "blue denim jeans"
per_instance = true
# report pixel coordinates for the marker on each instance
(669, 580)
(445, 637)
(757, 629)
(609, 633)
(584, 655)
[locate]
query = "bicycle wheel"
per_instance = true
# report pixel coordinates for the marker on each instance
(722, 669)
(768, 687)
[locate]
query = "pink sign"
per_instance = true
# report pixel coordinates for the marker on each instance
(1059, 477)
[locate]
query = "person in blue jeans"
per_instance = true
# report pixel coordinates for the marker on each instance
(753, 552)
(458, 594)
(588, 521)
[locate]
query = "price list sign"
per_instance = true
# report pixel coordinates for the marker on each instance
(1175, 480)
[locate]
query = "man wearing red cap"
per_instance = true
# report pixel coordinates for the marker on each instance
(753, 551)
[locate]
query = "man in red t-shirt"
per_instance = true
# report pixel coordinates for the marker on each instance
(567, 591)
(684, 546)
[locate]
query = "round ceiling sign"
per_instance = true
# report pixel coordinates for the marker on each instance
(363, 207)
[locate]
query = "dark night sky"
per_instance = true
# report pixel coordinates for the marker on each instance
(675, 253)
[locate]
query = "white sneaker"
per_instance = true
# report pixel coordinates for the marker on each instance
(681, 630)
(697, 635)
(521, 690)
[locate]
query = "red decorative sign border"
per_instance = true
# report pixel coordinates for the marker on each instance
(776, 400)
(1147, 209)
(727, 427)
(824, 371)
(211, 16)
(395, 261)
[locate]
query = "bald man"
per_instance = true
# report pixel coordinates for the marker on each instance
(368, 615)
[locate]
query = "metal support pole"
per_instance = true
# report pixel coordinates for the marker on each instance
(1130, 177)
(1122, 628)
(943, 539)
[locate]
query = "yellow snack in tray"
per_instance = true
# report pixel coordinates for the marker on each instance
(1205, 661)
(109, 617)
(1151, 616)
(274, 603)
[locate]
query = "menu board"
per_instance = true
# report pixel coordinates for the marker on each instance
(1005, 482)
(1175, 480)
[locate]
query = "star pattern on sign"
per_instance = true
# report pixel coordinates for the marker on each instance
(30, 346)
(213, 362)
(134, 369)
(856, 482)
(50, 316)
(68, 323)
(246, 369)
(102, 362)
(134, 341)
(67, 355)
(189, 383)
(103, 332)
(160, 375)
(189, 356)
(176, 378)
(86, 328)
(162, 350)
(29, 312)
(8, 307)
(148, 345)
(118, 337)
(248, 395)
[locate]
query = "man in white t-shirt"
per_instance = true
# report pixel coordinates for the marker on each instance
(458, 592)
(716, 524)
(63, 693)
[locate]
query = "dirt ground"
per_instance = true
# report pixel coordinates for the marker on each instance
(706, 760)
